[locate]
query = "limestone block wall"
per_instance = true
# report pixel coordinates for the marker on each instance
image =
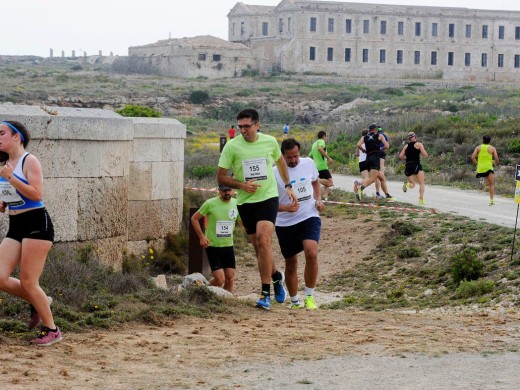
(87, 156)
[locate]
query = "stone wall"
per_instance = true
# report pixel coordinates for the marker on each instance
(109, 181)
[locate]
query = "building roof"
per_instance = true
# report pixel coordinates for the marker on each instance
(201, 41)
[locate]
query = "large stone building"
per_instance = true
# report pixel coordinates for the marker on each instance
(371, 40)
(202, 56)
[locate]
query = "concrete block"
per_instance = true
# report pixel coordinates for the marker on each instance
(60, 196)
(153, 219)
(102, 208)
(158, 128)
(140, 181)
(115, 158)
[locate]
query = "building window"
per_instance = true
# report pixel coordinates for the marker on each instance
(312, 53)
(434, 58)
(468, 30)
(265, 29)
(418, 29)
(517, 33)
(365, 55)
(288, 24)
(399, 59)
(517, 61)
(366, 26)
(500, 60)
(348, 26)
(330, 54)
(233, 29)
(216, 57)
(435, 29)
(483, 61)
(451, 30)
(451, 58)
(382, 56)
(280, 25)
(313, 24)
(202, 57)
(383, 27)
(417, 57)
(348, 54)
(501, 32)
(467, 59)
(242, 29)
(485, 31)
(331, 25)
(400, 28)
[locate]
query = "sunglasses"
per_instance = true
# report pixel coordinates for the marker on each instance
(246, 127)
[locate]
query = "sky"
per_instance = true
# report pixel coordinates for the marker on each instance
(33, 27)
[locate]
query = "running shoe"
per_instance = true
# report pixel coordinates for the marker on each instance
(47, 337)
(406, 185)
(422, 202)
(264, 302)
(280, 293)
(296, 305)
(491, 202)
(390, 198)
(35, 319)
(310, 303)
(357, 190)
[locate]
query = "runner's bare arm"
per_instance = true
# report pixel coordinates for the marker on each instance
(223, 178)
(495, 156)
(402, 155)
(474, 155)
(422, 150)
(204, 242)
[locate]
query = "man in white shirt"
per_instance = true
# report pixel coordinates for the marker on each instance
(298, 225)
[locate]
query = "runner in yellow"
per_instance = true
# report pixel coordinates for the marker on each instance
(321, 159)
(485, 157)
(251, 156)
(217, 240)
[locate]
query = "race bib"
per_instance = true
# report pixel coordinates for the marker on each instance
(9, 195)
(302, 189)
(224, 229)
(255, 169)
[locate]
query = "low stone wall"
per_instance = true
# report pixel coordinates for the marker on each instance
(109, 181)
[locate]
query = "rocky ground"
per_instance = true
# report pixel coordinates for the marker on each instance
(284, 348)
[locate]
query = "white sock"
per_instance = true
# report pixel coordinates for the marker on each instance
(295, 299)
(309, 291)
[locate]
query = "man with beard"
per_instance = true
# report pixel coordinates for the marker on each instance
(221, 213)
(298, 225)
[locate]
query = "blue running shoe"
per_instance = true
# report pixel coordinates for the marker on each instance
(264, 302)
(280, 293)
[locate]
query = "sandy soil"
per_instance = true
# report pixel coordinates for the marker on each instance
(222, 352)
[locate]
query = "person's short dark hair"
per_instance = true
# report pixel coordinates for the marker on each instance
(372, 126)
(232, 126)
(321, 134)
(289, 144)
(486, 139)
(364, 132)
(248, 113)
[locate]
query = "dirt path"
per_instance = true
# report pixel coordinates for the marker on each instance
(283, 347)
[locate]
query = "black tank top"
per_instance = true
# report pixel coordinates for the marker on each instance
(372, 143)
(412, 154)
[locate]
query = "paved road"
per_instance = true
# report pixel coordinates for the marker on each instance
(473, 204)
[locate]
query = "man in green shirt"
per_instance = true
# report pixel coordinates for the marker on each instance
(321, 159)
(251, 156)
(485, 157)
(221, 213)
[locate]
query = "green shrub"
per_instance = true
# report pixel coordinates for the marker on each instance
(466, 266)
(513, 146)
(203, 171)
(409, 252)
(392, 91)
(131, 110)
(474, 288)
(199, 97)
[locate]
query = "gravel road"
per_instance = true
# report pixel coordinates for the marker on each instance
(473, 204)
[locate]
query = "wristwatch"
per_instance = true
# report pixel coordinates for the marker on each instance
(288, 185)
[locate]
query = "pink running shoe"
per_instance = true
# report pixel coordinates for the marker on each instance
(47, 337)
(35, 318)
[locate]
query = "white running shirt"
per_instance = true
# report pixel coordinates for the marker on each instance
(362, 155)
(301, 177)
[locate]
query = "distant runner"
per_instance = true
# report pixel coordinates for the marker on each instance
(322, 159)
(412, 153)
(485, 157)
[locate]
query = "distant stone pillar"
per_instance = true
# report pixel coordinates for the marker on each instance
(63, 54)
(51, 53)
(100, 53)
(84, 54)
(73, 53)
(111, 54)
